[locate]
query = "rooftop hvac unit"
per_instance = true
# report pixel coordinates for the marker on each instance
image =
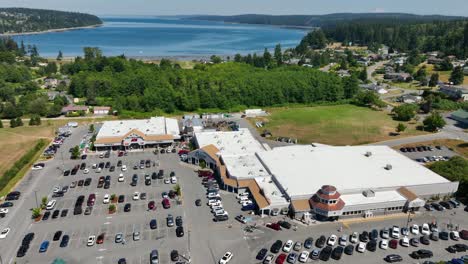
(368, 154)
(388, 167)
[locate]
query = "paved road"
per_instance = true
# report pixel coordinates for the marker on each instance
(371, 69)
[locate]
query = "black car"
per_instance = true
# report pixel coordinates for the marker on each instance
(308, 243)
(21, 251)
(179, 221)
(55, 214)
(421, 254)
(457, 248)
(83, 166)
(27, 239)
(349, 249)
(78, 210)
(446, 205)
(393, 258)
(371, 245)
(434, 236)
(198, 202)
(174, 255)
(437, 206)
(160, 174)
(220, 218)
(121, 198)
(374, 234)
(261, 254)
(83, 157)
(179, 231)
(13, 196)
(147, 182)
(64, 213)
(66, 173)
(57, 236)
(443, 235)
(79, 200)
(46, 216)
(64, 242)
(87, 182)
(127, 207)
(122, 261)
(364, 236)
(320, 242)
(337, 253)
(326, 253)
(153, 224)
(285, 224)
(112, 168)
(275, 248)
(6, 204)
(119, 163)
(107, 165)
(106, 185)
(425, 240)
(154, 176)
(107, 178)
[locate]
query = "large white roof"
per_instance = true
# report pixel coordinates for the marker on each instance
(152, 126)
(303, 169)
(230, 142)
(244, 166)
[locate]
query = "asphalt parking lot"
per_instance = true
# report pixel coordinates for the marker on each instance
(415, 155)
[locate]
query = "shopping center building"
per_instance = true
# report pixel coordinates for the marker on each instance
(137, 134)
(325, 182)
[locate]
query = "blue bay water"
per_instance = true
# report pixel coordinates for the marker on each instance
(158, 37)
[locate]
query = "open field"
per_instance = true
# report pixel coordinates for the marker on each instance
(443, 75)
(459, 146)
(335, 125)
(15, 142)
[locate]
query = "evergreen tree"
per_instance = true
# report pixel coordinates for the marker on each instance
(19, 122)
(1, 124)
(60, 55)
(434, 80)
(400, 128)
(267, 58)
(457, 76)
(434, 122)
(22, 50)
(363, 75)
(278, 54)
(13, 123)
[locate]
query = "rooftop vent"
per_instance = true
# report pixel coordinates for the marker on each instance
(388, 167)
(368, 193)
(368, 154)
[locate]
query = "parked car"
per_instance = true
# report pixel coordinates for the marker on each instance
(275, 248)
(393, 258)
(421, 254)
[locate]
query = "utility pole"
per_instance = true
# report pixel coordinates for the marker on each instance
(37, 204)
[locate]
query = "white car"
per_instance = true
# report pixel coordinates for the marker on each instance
(405, 242)
(425, 229)
(343, 240)
(226, 258)
(243, 199)
(304, 256)
(217, 208)
(244, 194)
(4, 233)
(213, 195)
(121, 178)
(173, 180)
(246, 203)
(354, 238)
(221, 213)
(86, 171)
(124, 168)
(288, 246)
(136, 196)
(167, 181)
(98, 170)
(37, 167)
(3, 210)
(384, 244)
(217, 203)
(361, 247)
(455, 235)
(91, 240)
(213, 202)
(94, 166)
(395, 232)
(57, 189)
(414, 229)
(51, 204)
(332, 240)
(385, 234)
(106, 199)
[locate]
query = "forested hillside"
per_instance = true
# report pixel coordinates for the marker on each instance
(136, 86)
(450, 37)
(23, 20)
(323, 20)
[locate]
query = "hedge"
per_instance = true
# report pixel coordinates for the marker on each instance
(25, 160)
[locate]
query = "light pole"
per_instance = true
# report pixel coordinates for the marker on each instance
(35, 195)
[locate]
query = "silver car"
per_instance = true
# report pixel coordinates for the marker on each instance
(154, 257)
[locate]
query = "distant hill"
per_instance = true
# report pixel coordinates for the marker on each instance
(323, 20)
(25, 20)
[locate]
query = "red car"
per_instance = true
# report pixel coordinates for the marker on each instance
(100, 238)
(281, 258)
(464, 234)
(204, 173)
(151, 205)
(120, 154)
(274, 226)
(166, 204)
(393, 243)
(91, 199)
(183, 151)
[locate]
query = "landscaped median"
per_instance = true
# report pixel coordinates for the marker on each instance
(9, 179)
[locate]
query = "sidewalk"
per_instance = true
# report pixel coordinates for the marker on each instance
(347, 222)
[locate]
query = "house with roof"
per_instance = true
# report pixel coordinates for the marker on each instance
(397, 76)
(461, 116)
(69, 109)
(454, 92)
(101, 110)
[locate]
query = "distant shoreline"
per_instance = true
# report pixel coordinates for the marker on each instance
(49, 31)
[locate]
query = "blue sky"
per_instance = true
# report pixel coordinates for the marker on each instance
(229, 7)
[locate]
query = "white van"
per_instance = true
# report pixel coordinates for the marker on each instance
(51, 204)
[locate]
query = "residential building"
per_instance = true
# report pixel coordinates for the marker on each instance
(101, 110)
(74, 109)
(410, 99)
(461, 116)
(137, 134)
(454, 92)
(374, 87)
(397, 76)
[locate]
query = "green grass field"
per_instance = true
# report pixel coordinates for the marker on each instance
(335, 125)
